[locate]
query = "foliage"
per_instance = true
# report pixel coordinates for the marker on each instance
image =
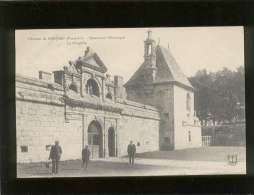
(219, 95)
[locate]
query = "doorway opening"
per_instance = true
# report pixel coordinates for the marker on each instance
(111, 142)
(95, 139)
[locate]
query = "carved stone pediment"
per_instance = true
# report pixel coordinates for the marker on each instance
(91, 60)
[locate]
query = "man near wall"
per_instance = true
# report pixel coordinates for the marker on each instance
(85, 156)
(131, 152)
(55, 155)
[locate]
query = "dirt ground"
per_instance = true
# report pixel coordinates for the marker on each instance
(213, 153)
(196, 161)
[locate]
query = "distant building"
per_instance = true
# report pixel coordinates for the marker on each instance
(81, 105)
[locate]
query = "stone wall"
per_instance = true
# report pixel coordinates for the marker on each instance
(164, 101)
(139, 123)
(39, 125)
(232, 134)
(40, 121)
(42, 116)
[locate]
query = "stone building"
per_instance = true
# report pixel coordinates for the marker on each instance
(82, 105)
(160, 82)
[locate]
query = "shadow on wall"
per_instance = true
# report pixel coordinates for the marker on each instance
(165, 142)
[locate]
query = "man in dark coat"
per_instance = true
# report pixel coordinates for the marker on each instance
(131, 152)
(55, 155)
(85, 156)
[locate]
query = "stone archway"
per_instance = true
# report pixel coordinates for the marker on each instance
(111, 142)
(92, 88)
(95, 140)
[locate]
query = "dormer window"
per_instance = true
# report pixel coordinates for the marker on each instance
(92, 88)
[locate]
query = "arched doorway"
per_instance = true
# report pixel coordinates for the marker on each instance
(95, 139)
(92, 88)
(111, 142)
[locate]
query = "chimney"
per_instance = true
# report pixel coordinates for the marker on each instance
(45, 76)
(149, 32)
(119, 88)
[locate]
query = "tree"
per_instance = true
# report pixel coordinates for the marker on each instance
(218, 94)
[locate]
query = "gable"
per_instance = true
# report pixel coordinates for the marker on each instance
(92, 61)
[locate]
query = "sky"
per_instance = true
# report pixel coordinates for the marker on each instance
(122, 49)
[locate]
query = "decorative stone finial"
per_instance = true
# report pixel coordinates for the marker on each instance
(149, 32)
(87, 50)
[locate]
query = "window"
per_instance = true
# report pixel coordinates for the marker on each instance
(189, 136)
(188, 102)
(73, 87)
(92, 88)
(149, 49)
(138, 143)
(24, 148)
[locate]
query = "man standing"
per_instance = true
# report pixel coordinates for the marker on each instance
(131, 152)
(85, 156)
(55, 155)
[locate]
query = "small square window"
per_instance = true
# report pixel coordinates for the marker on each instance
(48, 147)
(189, 136)
(24, 148)
(138, 143)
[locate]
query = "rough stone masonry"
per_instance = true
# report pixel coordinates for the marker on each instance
(82, 105)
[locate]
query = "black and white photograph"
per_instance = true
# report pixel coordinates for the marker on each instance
(120, 102)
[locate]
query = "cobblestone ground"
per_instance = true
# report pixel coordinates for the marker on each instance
(145, 166)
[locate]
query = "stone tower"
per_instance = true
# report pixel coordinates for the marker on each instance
(160, 82)
(150, 58)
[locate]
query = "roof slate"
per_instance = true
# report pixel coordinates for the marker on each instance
(167, 70)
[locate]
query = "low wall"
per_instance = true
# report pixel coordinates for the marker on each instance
(226, 135)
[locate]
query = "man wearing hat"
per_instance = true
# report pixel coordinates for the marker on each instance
(55, 155)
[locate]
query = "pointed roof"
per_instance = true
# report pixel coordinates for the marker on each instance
(175, 70)
(167, 70)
